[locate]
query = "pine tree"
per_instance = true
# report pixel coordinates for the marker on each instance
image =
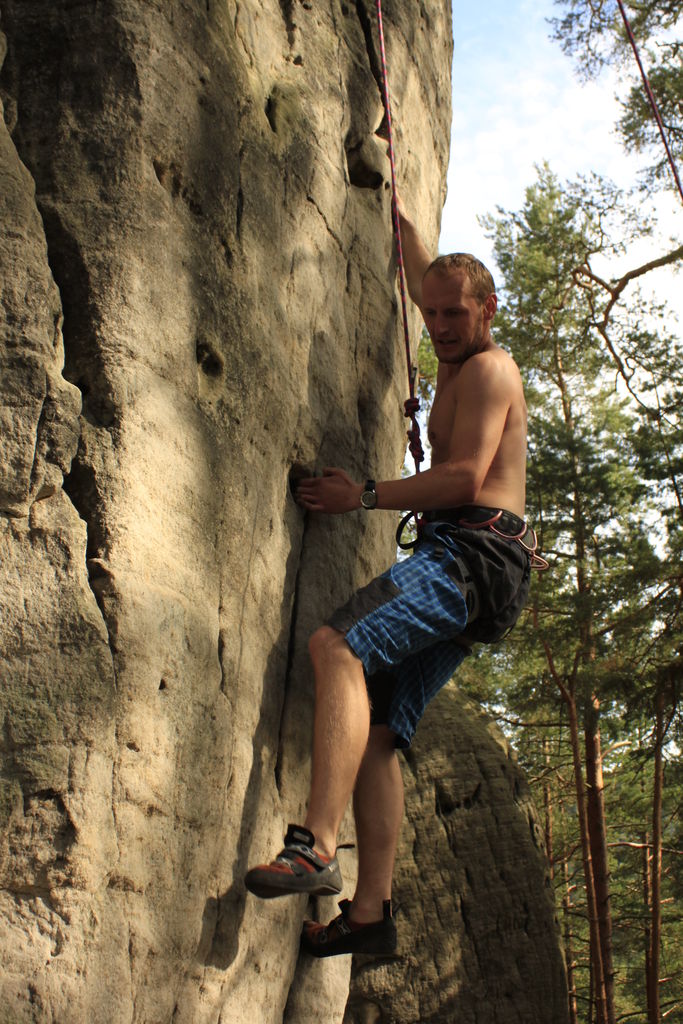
(603, 626)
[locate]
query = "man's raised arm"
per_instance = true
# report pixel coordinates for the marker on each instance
(416, 259)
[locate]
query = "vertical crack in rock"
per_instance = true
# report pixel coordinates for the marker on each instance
(239, 210)
(131, 969)
(289, 664)
(332, 233)
(79, 484)
(35, 464)
(221, 650)
(270, 114)
(42, 111)
(366, 24)
(365, 157)
(245, 589)
(87, 373)
(287, 8)
(82, 362)
(239, 197)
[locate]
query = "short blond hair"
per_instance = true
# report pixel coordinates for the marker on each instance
(480, 278)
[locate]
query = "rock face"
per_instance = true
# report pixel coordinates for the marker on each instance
(197, 285)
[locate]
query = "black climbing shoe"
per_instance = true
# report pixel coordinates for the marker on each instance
(342, 935)
(297, 868)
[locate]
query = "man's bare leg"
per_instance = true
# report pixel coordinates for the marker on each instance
(378, 809)
(340, 733)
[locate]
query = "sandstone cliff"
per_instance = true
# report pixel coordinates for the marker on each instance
(197, 294)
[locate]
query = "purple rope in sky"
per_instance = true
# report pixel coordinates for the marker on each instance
(650, 96)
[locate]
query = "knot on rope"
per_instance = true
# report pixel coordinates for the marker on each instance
(412, 407)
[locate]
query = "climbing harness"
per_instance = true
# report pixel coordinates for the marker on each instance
(500, 522)
(412, 404)
(525, 537)
(650, 96)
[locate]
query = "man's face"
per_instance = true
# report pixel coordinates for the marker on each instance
(456, 321)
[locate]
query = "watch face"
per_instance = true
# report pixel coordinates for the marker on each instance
(368, 499)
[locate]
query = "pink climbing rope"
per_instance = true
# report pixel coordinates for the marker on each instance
(412, 404)
(651, 98)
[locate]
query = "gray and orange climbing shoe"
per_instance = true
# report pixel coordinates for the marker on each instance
(342, 935)
(297, 868)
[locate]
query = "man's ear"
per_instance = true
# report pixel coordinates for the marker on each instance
(490, 306)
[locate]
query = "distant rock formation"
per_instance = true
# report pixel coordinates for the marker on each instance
(197, 295)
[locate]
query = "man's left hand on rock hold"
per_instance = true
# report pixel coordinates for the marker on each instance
(333, 493)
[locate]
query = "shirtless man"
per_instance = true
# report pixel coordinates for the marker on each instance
(388, 651)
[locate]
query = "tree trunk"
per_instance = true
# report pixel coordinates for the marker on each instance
(654, 1013)
(602, 968)
(569, 943)
(647, 907)
(597, 832)
(598, 972)
(548, 811)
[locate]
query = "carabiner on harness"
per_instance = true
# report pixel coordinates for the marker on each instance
(535, 560)
(409, 545)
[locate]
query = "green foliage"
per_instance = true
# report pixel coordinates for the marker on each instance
(427, 365)
(638, 127)
(604, 390)
(593, 32)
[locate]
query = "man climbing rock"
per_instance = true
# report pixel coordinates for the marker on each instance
(382, 656)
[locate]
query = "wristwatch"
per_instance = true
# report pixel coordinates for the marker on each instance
(368, 498)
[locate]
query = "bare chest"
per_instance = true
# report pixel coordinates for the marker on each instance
(441, 420)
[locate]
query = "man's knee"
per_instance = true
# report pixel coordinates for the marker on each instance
(327, 644)
(382, 739)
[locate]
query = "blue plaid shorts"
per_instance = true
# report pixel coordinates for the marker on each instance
(404, 627)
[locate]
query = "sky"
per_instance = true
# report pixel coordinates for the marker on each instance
(517, 102)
